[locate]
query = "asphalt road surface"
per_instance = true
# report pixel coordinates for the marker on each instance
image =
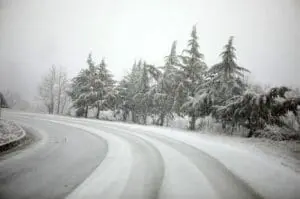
(77, 158)
(52, 167)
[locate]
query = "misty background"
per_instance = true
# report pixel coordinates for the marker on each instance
(34, 34)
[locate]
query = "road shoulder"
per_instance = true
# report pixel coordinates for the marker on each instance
(30, 137)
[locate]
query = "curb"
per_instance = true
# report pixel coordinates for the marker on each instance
(15, 142)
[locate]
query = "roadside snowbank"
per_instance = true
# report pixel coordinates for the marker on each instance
(9, 132)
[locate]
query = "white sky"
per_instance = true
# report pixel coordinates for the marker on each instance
(34, 34)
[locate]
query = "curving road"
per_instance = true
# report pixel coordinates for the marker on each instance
(54, 166)
(78, 158)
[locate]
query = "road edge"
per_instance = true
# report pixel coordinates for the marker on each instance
(13, 143)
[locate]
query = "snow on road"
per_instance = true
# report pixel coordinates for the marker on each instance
(259, 175)
(109, 174)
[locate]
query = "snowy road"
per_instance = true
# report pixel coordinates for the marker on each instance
(80, 158)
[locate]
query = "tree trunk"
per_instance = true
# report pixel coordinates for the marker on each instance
(86, 111)
(63, 105)
(58, 106)
(223, 125)
(98, 111)
(144, 119)
(133, 117)
(192, 122)
(58, 96)
(162, 119)
(124, 115)
(251, 129)
(250, 134)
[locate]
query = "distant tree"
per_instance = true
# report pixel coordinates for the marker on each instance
(46, 89)
(12, 98)
(61, 86)
(52, 89)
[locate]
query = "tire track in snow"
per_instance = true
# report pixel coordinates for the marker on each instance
(176, 183)
(226, 184)
(147, 169)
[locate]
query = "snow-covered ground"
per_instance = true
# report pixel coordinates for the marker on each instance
(273, 175)
(267, 167)
(9, 132)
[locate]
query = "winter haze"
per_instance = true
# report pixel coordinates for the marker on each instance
(34, 34)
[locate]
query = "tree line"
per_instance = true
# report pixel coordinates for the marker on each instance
(184, 86)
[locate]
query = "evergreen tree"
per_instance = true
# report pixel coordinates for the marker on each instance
(83, 89)
(228, 68)
(104, 88)
(163, 92)
(141, 98)
(256, 111)
(225, 81)
(127, 89)
(79, 92)
(123, 100)
(192, 74)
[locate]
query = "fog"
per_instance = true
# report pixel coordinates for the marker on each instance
(34, 34)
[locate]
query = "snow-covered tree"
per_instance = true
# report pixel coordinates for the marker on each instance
(93, 88)
(82, 90)
(141, 98)
(79, 91)
(123, 100)
(46, 89)
(126, 90)
(53, 90)
(61, 96)
(228, 68)
(104, 88)
(192, 74)
(224, 81)
(133, 93)
(163, 92)
(256, 111)
(132, 83)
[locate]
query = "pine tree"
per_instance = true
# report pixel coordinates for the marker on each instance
(104, 88)
(256, 111)
(163, 92)
(141, 98)
(83, 89)
(228, 68)
(225, 80)
(127, 89)
(79, 90)
(192, 75)
(123, 100)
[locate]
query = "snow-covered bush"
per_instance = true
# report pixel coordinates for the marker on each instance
(255, 112)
